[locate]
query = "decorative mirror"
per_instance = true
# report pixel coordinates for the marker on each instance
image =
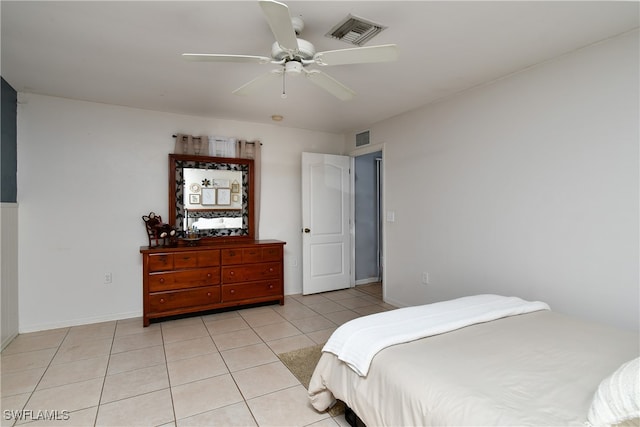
(211, 197)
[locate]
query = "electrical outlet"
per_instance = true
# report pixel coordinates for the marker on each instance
(425, 278)
(108, 278)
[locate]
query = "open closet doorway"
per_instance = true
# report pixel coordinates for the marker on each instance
(368, 222)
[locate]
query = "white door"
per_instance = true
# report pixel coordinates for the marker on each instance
(326, 243)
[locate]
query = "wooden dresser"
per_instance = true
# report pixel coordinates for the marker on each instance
(191, 279)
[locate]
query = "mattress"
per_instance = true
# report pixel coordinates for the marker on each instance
(540, 368)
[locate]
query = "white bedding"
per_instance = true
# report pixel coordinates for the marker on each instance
(541, 368)
(357, 342)
(222, 222)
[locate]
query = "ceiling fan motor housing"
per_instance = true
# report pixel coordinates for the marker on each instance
(306, 50)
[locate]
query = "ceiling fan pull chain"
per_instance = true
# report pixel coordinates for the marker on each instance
(284, 94)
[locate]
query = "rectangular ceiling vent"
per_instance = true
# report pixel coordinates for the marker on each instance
(355, 30)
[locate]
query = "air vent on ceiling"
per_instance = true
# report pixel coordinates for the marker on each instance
(355, 30)
(362, 138)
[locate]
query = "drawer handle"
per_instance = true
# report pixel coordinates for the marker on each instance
(270, 286)
(232, 291)
(161, 280)
(161, 300)
(270, 269)
(209, 275)
(208, 294)
(232, 273)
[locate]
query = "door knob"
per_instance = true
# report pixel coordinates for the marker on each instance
(306, 230)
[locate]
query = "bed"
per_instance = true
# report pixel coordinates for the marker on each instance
(535, 367)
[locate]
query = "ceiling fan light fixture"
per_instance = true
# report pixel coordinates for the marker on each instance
(277, 118)
(293, 68)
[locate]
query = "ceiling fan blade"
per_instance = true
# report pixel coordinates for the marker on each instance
(214, 57)
(258, 82)
(358, 55)
(279, 20)
(330, 84)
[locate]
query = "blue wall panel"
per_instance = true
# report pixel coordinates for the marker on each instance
(8, 146)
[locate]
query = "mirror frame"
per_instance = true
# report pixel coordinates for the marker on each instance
(177, 162)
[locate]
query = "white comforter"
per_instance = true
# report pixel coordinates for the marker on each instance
(537, 369)
(358, 341)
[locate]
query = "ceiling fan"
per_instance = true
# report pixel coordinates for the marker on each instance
(294, 54)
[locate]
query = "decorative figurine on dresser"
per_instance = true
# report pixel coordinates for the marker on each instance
(216, 262)
(159, 233)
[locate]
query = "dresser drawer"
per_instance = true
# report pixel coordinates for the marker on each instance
(250, 272)
(196, 259)
(166, 301)
(231, 256)
(251, 290)
(170, 280)
(251, 255)
(160, 262)
(181, 260)
(272, 253)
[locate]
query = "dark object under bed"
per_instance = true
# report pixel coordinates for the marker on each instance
(352, 418)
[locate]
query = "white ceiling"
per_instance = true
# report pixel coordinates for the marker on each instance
(128, 53)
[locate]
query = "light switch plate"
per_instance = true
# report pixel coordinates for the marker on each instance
(391, 216)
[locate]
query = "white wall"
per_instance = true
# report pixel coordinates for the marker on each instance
(88, 172)
(527, 187)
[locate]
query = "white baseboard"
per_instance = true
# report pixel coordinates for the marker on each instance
(367, 281)
(394, 303)
(78, 322)
(7, 340)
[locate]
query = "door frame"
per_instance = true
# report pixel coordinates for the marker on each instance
(353, 154)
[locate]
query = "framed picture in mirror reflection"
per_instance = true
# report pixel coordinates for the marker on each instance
(224, 196)
(208, 196)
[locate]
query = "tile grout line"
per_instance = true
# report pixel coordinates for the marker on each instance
(43, 373)
(244, 399)
(166, 367)
(263, 364)
(104, 378)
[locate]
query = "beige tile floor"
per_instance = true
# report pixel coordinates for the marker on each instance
(216, 369)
